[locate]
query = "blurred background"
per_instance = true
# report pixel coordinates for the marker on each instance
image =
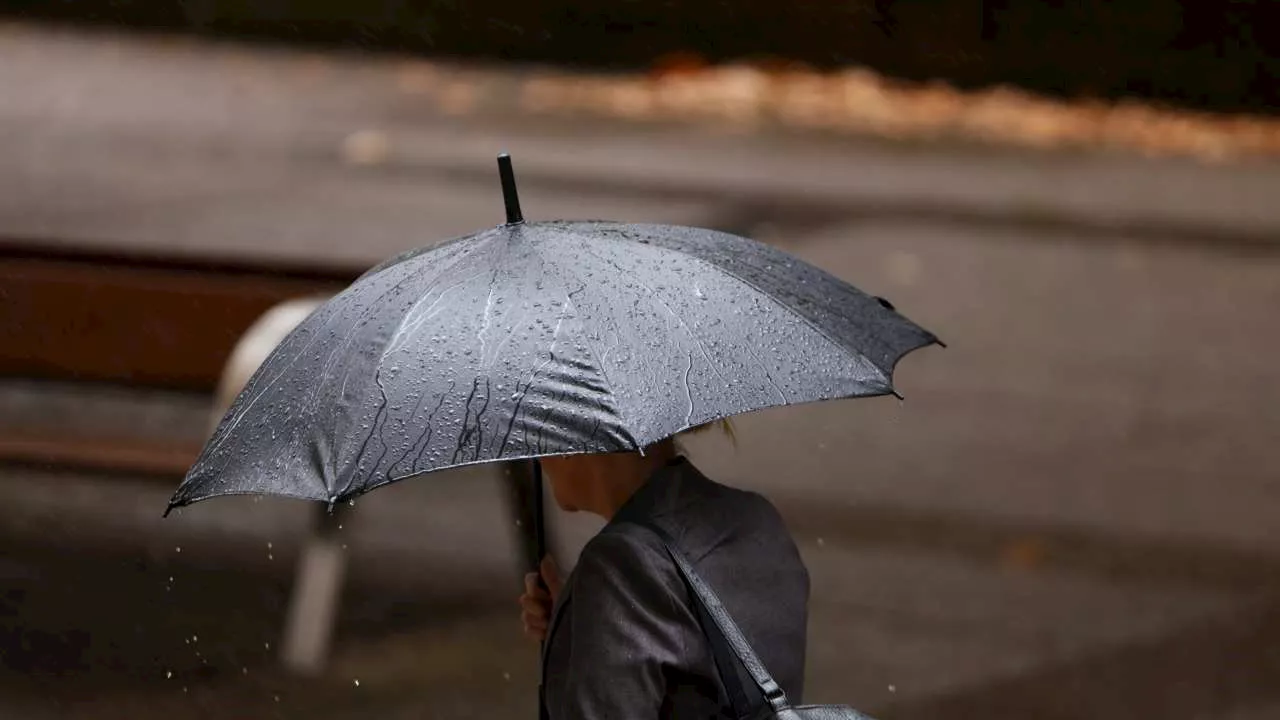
(1075, 512)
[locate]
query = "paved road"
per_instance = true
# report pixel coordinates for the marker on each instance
(179, 146)
(1073, 514)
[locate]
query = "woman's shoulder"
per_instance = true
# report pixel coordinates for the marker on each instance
(745, 505)
(622, 546)
(624, 562)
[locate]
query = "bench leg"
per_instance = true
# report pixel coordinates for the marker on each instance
(317, 589)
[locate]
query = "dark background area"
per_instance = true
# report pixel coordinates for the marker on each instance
(1221, 55)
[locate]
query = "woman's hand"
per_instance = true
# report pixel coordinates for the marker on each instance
(536, 602)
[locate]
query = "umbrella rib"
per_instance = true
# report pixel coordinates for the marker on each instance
(551, 358)
(463, 254)
(487, 318)
(812, 325)
(701, 345)
(604, 373)
(386, 350)
(886, 376)
(410, 322)
(351, 336)
(259, 393)
(599, 363)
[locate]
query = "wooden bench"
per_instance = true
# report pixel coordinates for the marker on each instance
(173, 323)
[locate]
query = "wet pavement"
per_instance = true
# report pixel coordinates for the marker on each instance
(105, 601)
(1072, 515)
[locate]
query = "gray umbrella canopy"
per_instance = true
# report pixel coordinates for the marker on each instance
(543, 339)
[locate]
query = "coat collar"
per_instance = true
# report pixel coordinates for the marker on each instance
(655, 497)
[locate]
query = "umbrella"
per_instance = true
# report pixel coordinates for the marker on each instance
(542, 338)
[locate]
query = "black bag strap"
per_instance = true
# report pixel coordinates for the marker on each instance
(729, 632)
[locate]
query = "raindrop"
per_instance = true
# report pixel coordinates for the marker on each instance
(244, 671)
(357, 682)
(506, 676)
(266, 645)
(195, 638)
(168, 674)
(277, 698)
(178, 549)
(821, 542)
(893, 688)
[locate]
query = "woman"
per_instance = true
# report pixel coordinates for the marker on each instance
(623, 637)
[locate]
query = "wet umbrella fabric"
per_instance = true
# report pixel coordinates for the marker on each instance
(543, 338)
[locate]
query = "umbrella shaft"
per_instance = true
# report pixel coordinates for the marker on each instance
(539, 520)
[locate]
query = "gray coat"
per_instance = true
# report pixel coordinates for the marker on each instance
(625, 641)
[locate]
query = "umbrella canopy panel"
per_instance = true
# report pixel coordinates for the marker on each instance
(539, 339)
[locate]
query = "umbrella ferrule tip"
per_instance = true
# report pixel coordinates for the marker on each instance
(510, 197)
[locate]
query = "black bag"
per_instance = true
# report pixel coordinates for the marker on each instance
(728, 643)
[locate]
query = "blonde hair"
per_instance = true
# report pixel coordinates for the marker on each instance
(723, 424)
